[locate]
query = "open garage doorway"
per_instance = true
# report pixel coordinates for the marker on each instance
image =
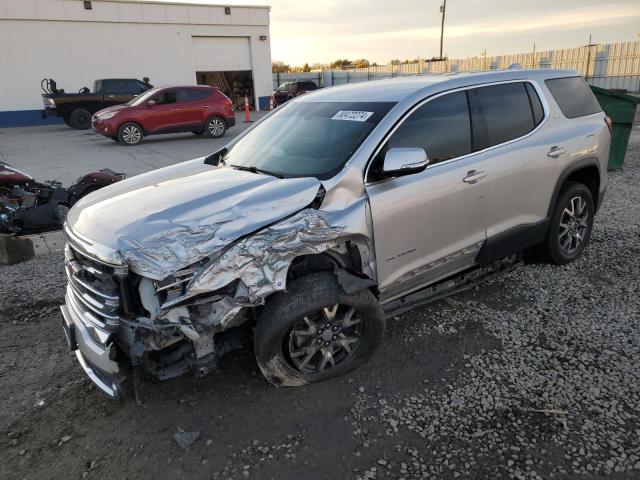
(225, 62)
(233, 84)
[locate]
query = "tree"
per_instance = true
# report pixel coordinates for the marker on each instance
(306, 68)
(361, 63)
(279, 67)
(341, 63)
(395, 62)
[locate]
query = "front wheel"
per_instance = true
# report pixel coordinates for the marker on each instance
(571, 224)
(315, 331)
(215, 127)
(130, 134)
(80, 119)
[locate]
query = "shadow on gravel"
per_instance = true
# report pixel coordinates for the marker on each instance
(243, 421)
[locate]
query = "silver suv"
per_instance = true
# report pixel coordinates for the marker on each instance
(335, 211)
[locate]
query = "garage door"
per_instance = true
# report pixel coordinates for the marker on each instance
(221, 54)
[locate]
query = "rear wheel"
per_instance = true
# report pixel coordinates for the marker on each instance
(315, 331)
(571, 224)
(216, 127)
(80, 119)
(130, 134)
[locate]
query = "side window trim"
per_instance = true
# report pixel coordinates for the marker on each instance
(536, 87)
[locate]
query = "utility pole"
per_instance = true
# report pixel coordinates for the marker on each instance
(443, 9)
(586, 75)
(533, 59)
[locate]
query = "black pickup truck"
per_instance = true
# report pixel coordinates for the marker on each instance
(76, 108)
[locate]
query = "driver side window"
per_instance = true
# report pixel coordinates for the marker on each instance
(442, 127)
(166, 97)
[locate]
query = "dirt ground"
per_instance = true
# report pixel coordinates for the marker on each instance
(515, 368)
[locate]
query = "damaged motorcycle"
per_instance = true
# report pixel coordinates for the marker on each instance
(28, 206)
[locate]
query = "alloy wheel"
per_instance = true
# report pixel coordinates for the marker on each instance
(325, 339)
(131, 134)
(574, 224)
(216, 127)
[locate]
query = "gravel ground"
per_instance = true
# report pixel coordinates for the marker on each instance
(535, 374)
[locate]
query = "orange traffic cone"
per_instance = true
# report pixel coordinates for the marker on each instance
(247, 113)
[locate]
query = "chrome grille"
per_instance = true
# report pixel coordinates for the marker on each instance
(93, 288)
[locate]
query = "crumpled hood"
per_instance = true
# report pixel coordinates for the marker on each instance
(165, 220)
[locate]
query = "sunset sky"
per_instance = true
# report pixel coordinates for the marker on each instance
(381, 30)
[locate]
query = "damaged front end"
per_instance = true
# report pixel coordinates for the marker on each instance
(120, 321)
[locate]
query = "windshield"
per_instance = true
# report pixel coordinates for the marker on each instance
(143, 97)
(307, 139)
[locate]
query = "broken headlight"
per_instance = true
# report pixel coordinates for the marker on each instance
(174, 286)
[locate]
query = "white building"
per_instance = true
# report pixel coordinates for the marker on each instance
(76, 42)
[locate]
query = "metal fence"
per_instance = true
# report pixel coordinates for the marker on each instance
(615, 65)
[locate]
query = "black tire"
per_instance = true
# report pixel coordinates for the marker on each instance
(130, 134)
(215, 127)
(305, 297)
(80, 119)
(564, 244)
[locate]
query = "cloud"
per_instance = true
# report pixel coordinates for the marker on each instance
(335, 33)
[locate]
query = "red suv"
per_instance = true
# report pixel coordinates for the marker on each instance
(198, 109)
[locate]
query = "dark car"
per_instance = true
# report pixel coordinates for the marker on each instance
(197, 109)
(288, 90)
(76, 108)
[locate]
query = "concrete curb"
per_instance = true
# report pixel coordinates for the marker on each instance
(46, 243)
(20, 249)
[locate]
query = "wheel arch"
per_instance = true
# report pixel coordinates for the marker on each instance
(585, 171)
(132, 120)
(346, 264)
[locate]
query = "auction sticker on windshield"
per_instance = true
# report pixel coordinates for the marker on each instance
(352, 115)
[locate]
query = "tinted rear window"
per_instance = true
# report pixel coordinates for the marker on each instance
(507, 113)
(189, 95)
(122, 86)
(574, 97)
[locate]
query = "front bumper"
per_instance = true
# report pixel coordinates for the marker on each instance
(104, 127)
(93, 346)
(51, 112)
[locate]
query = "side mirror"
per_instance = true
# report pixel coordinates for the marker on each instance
(151, 103)
(404, 161)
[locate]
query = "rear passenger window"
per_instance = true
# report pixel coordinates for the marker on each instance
(536, 104)
(506, 110)
(574, 97)
(442, 127)
(191, 95)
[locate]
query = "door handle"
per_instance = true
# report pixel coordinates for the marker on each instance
(110, 96)
(175, 109)
(205, 106)
(556, 151)
(473, 176)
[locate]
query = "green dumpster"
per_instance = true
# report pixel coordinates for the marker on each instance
(621, 108)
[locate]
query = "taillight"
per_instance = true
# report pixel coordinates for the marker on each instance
(609, 123)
